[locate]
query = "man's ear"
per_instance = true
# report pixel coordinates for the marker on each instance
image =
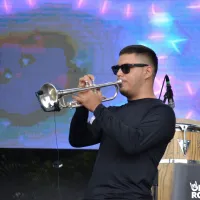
(148, 71)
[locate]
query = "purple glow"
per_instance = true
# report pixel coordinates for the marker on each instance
(104, 7)
(129, 11)
(7, 6)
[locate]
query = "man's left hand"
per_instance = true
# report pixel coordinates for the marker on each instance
(89, 99)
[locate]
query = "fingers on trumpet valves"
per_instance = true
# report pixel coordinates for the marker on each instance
(87, 84)
(87, 80)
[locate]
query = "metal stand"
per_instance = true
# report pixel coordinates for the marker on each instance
(155, 188)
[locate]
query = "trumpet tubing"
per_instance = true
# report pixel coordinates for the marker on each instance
(52, 99)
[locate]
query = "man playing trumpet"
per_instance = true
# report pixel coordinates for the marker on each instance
(133, 137)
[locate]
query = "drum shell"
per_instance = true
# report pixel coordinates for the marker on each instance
(174, 154)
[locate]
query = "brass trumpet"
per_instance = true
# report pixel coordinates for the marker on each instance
(52, 99)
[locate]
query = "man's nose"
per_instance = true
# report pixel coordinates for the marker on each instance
(120, 73)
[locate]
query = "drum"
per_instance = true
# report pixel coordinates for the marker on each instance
(183, 148)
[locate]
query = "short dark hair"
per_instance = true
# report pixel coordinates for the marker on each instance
(142, 50)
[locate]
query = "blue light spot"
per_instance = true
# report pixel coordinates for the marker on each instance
(161, 19)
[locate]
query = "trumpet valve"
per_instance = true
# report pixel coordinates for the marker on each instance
(73, 104)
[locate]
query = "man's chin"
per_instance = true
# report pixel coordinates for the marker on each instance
(123, 92)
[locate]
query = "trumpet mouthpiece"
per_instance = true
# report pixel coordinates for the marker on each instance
(119, 81)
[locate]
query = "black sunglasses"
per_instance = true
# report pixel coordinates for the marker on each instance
(126, 67)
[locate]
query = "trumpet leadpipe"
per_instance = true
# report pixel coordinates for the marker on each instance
(74, 90)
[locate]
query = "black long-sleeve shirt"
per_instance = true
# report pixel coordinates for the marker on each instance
(132, 138)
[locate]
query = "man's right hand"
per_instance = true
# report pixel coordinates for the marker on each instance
(87, 79)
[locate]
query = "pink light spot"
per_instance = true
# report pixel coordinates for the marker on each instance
(7, 6)
(31, 3)
(189, 88)
(129, 11)
(162, 57)
(189, 115)
(80, 3)
(197, 6)
(155, 10)
(104, 7)
(156, 36)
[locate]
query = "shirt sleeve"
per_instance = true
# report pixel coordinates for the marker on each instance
(81, 132)
(157, 126)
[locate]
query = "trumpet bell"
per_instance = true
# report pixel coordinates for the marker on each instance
(48, 97)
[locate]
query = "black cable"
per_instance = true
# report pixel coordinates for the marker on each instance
(162, 87)
(58, 157)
